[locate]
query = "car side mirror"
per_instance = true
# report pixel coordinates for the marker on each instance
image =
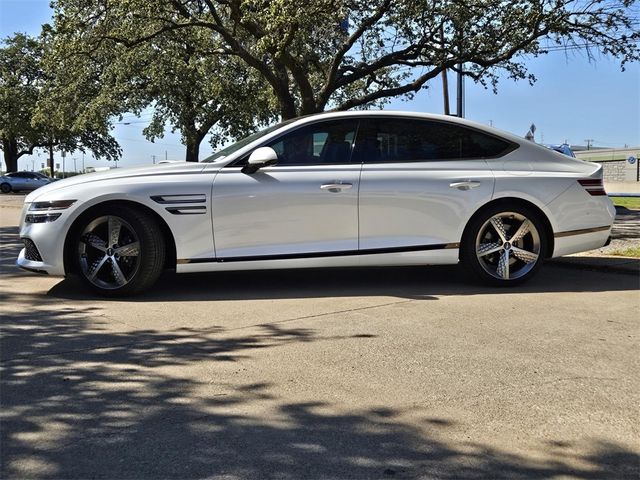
(260, 157)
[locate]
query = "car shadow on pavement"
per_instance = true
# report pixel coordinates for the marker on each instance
(80, 401)
(416, 282)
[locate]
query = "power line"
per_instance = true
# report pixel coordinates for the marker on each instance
(149, 141)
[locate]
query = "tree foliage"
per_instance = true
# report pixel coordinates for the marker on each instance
(20, 82)
(343, 54)
(25, 123)
(179, 75)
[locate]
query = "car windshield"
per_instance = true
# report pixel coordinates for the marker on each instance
(234, 147)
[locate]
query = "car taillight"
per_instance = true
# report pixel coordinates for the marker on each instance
(594, 186)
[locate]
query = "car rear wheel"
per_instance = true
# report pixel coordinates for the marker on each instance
(119, 251)
(5, 187)
(505, 245)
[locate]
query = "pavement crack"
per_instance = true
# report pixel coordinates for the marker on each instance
(200, 333)
(307, 317)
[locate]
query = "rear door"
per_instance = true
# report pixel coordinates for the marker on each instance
(20, 180)
(421, 180)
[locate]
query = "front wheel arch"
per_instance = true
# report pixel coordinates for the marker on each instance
(512, 201)
(170, 244)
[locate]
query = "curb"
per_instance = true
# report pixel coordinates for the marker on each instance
(621, 265)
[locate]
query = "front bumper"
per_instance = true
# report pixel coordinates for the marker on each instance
(30, 265)
(37, 266)
(48, 239)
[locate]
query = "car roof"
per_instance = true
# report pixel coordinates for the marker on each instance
(403, 114)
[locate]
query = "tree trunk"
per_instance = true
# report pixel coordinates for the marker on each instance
(51, 165)
(10, 149)
(193, 151)
(287, 110)
(193, 146)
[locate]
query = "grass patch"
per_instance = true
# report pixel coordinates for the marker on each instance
(632, 203)
(627, 252)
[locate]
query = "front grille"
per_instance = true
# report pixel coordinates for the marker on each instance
(31, 251)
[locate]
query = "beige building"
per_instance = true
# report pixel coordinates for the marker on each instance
(620, 164)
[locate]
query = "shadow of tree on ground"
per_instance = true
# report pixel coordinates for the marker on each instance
(79, 401)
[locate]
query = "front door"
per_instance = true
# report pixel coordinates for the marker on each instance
(306, 205)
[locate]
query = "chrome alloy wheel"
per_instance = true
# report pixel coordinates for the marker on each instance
(109, 252)
(508, 246)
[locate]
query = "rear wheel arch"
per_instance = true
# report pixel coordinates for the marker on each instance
(170, 245)
(513, 201)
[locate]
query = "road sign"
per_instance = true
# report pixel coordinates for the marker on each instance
(632, 159)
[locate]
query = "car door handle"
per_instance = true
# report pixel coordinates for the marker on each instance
(467, 185)
(336, 187)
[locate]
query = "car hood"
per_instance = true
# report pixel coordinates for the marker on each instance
(88, 178)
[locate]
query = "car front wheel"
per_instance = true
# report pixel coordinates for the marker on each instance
(119, 251)
(505, 245)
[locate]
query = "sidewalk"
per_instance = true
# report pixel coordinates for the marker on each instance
(628, 188)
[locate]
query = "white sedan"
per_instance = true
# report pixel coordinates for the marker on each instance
(329, 190)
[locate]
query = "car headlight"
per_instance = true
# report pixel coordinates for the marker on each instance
(46, 208)
(51, 205)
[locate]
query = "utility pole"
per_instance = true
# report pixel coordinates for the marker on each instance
(589, 143)
(445, 92)
(445, 80)
(153, 157)
(165, 155)
(460, 99)
(82, 162)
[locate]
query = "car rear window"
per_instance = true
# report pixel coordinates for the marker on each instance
(407, 140)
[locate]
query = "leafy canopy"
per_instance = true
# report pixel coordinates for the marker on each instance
(343, 54)
(26, 122)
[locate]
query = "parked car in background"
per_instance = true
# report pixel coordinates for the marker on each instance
(564, 149)
(328, 190)
(23, 181)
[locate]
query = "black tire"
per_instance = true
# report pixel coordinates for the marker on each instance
(5, 187)
(118, 250)
(508, 257)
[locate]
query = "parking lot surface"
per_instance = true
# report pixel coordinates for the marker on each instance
(332, 374)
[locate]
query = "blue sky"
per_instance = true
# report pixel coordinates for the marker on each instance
(573, 100)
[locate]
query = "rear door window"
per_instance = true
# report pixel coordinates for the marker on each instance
(407, 140)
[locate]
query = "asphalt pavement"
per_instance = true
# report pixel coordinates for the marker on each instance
(322, 374)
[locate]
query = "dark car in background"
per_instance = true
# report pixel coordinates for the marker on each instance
(564, 149)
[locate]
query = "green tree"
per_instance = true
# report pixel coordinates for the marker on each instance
(24, 126)
(193, 93)
(20, 82)
(343, 54)
(179, 75)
